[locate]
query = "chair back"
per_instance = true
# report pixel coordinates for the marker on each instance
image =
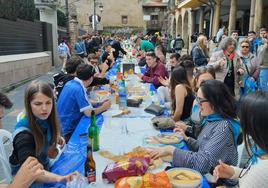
(6, 149)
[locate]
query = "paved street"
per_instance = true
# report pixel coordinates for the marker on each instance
(17, 97)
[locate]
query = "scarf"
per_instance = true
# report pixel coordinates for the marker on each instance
(229, 56)
(256, 152)
(23, 125)
(235, 125)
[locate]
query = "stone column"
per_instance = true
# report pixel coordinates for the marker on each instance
(216, 17)
(73, 24)
(193, 15)
(232, 16)
(201, 20)
(252, 15)
(258, 15)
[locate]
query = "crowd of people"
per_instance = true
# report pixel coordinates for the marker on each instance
(207, 95)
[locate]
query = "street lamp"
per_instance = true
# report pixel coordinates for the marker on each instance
(95, 17)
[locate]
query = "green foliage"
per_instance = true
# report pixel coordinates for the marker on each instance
(13, 9)
(8, 9)
(61, 18)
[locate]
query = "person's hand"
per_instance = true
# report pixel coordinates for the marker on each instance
(222, 62)
(182, 132)
(155, 153)
(30, 170)
(67, 178)
(104, 67)
(253, 79)
(106, 104)
(164, 81)
(180, 125)
(140, 75)
(223, 171)
(61, 142)
(240, 72)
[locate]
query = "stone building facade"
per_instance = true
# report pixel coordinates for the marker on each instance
(189, 16)
(117, 15)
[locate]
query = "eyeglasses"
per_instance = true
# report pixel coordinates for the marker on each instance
(200, 100)
(245, 46)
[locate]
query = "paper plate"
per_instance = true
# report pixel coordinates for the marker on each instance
(184, 178)
(111, 113)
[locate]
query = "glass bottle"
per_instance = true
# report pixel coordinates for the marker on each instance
(93, 132)
(90, 165)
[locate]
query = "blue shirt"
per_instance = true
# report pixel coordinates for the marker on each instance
(72, 103)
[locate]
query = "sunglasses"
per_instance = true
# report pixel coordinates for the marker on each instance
(200, 100)
(245, 46)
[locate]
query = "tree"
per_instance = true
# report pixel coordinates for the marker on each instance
(61, 18)
(13, 9)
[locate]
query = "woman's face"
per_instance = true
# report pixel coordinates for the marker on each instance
(205, 41)
(205, 107)
(41, 106)
(244, 48)
(230, 47)
(203, 77)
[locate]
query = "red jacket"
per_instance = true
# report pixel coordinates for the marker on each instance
(151, 75)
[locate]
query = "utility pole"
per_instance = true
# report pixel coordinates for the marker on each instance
(94, 17)
(67, 17)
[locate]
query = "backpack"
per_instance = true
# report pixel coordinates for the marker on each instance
(178, 44)
(250, 85)
(62, 50)
(263, 79)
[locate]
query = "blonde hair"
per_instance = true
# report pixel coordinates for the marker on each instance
(200, 43)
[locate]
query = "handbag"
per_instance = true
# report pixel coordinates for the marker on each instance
(134, 102)
(163, 123)
(154, 109)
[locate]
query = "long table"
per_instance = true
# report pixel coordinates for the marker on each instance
(117, 135)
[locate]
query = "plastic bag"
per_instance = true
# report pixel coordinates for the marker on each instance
(79, 181)
(125, 168)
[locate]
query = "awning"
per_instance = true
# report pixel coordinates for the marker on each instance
(191, 3)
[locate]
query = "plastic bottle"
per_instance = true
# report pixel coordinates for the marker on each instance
(122, 95)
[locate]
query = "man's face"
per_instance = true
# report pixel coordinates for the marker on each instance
(173, 62)
(94, 62)
(263, 34)
(150, 61)
(235, 36)
(251, 36)
(108, 49)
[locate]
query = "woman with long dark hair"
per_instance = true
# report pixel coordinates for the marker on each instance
(253, 118)
(190, 126)
(218, 136)
(181, 94)
(38, 132)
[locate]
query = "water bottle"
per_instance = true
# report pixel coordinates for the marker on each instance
(155, 98)
(122, 95)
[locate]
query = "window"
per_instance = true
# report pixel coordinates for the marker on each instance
(124, 19)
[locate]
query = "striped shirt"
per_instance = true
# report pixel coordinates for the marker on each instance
(214, 142)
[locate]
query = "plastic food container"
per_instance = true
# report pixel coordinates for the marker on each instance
(184, 178)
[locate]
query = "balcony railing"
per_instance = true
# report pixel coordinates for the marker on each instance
(153, 24)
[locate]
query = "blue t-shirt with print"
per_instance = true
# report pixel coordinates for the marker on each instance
(73, 101)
